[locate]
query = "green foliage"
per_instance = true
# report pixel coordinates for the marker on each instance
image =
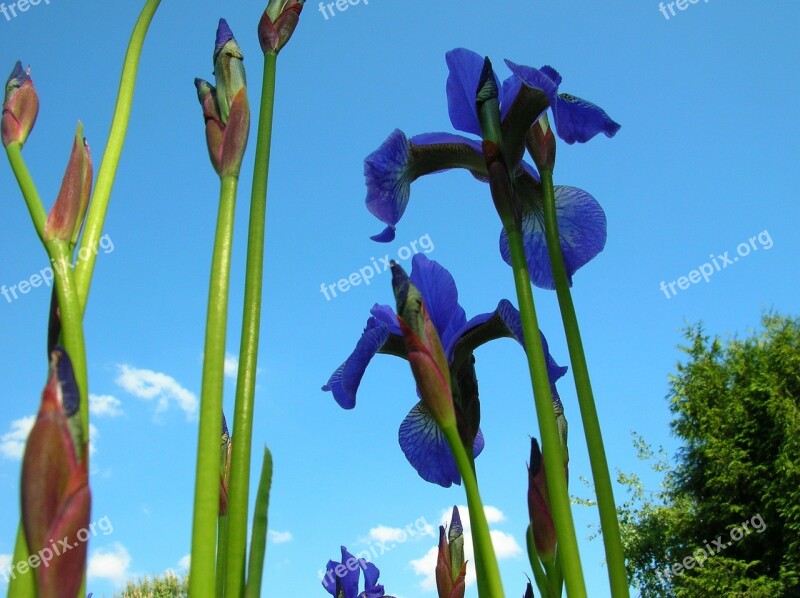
(736, 479)
(167, 586)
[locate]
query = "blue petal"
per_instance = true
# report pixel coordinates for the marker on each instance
(508, 93)
(426, 449)
(385, 315)
(582, 231)
(224, 35)
(477, 447)
(537, 79)
(579, 120)
(390, 170)
(388, 181)
(329, 581)
(462, 89)
(372, 589)
(440, 294)
(350, 579)
(345, 380)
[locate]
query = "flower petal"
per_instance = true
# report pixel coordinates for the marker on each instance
(390, 170)
(581, 228)
(537, 79)
(426, 449)
(508, 93)
(579, 120)
(440, 294)
(462, 89)
(344, 382)
(372, 589)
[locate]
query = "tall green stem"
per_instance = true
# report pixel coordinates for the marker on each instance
(488, 573)
(239, 489)
(96, 215)
(258, 542)
(609, 523)
(552, 452)
(28, 188)
(206, 496)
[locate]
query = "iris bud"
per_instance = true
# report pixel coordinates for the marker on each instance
(20, 106)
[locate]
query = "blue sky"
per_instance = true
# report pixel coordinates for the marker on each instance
(702, 164)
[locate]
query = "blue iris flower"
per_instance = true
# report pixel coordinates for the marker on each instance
(524, 97)
(420, 438)
(341, 579)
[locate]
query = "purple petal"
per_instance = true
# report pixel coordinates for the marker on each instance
(344, 382)
(224, 35)
(508, 93)
(579, 120)
(537, 79)
(371, 587)
(390, 170)
(552, 73)
(385, 315)
(440, 294)
(350, 579)
(480, 443)
(582, 231)
(426, 449)
(462, 89)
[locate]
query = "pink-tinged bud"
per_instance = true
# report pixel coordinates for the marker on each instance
(451, 568)
(55, 489)
(275, 30)
(20, 106)
(544, 531)
(541, 144)
(424, 348)
(226, 143)
(224, 468)
(66, 216)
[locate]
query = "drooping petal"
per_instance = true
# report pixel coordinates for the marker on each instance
(582, 231)
(538, 79)
(579, 120)
(344, 382)
(440, 294)
(426, 449)
(390, 170)
(462, 87)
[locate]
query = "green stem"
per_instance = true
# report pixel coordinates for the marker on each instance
(71, 323)
(22, 585)
(98, 206)
(28, 188)
(542, 580)
(239, 489)
(615, 557)
(206, 497)
(488, 573)
(222, 534)
(258, 544)
(552, 452)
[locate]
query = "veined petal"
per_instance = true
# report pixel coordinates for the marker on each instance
(581, 228)
(426, 449)
(390, 170)
(440, 294)
(345, 380)
(462, 88)
(579, 120)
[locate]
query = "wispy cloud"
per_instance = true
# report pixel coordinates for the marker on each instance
(231, 365)
(110, 563)
(164, 389)
(12, 443)
(184, 562)
(280, 537)
(105, 406)
(5, 565)
(505, 547)
(397, 535)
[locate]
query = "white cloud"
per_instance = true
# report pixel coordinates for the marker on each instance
(94, 434)
(280, 537)
(385, 534)
(149, 385)
(231, 365)
(12, 444)
(110, 563)
(5, 565)
(184, 562)
(104, 405)
(505, 546)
